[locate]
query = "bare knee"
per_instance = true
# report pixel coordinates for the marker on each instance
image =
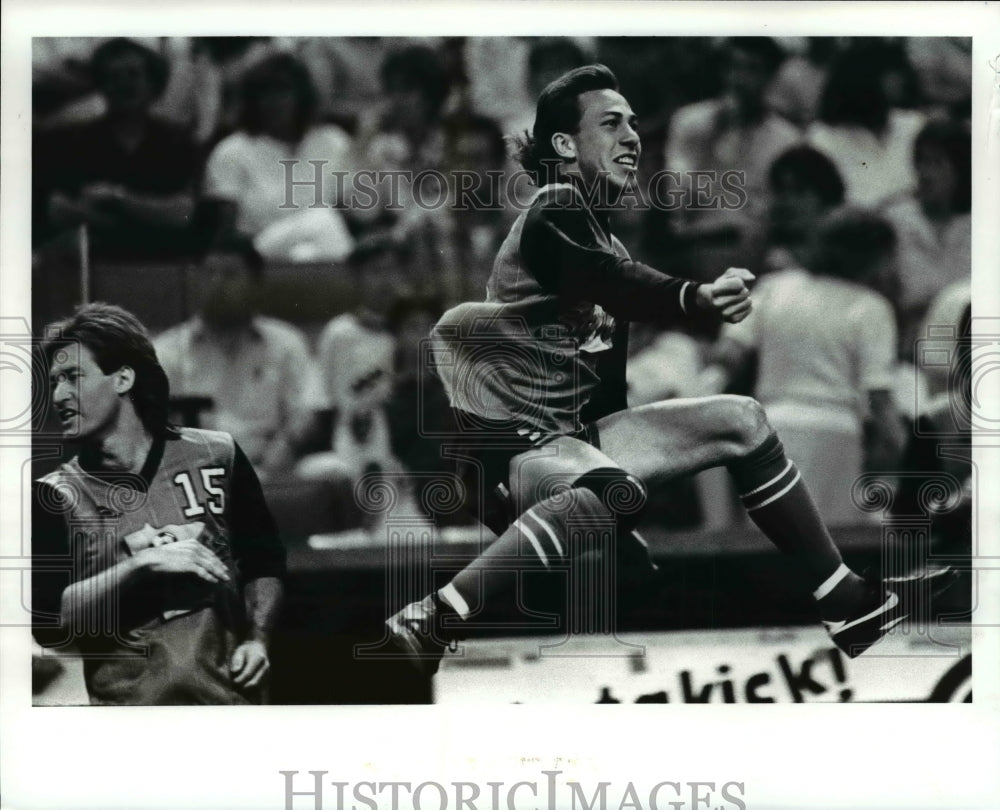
(742, 421)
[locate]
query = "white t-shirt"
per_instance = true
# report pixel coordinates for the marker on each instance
(874, 170)
(247, 170)
(822, 344)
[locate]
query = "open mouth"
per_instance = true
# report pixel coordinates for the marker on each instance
(66, 414)
(629, 161)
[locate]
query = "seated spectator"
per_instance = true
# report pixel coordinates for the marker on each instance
(733, 132)
(249, 171)
(127, 175)
(406, 136)
(355, 369)
(825, 347)
(869, 141)
(415, 86)
(805, 185)
(796, 90)
(933, 225)
(354, 354)
(255, 372)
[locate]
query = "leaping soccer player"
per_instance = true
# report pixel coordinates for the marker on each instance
(559, 300)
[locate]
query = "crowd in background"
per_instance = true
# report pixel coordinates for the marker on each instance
(855, 156)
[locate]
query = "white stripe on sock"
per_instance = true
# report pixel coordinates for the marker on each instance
(449, 593)
(549, 532)
(776, 495)
(831, 582)
(776, 478)
(534, 542)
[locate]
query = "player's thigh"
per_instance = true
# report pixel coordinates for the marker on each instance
(544, 471)
(681, 436)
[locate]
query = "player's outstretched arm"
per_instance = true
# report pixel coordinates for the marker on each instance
(562, 248)
(728, 295)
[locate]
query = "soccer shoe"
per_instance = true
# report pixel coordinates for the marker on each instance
(904, 597)
(414, 632)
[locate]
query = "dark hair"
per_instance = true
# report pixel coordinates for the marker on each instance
(847, 242)
(157, 68)
(764, 48)
(854, 93)
(811, 168)
(417, 67)
(462, 125)
(116, 338)
(263, 75)
(955, 141)
(244, 249)
(558, 110)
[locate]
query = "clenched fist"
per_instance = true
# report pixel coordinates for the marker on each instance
(728, 295)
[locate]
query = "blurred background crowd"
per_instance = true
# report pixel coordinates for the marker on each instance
(158, 184)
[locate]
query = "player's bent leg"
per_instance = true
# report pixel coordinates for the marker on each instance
(666, 439)
(686, 436)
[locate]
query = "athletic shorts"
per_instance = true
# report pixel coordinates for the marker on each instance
(490, 447)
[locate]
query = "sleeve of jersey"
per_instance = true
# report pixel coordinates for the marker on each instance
(561, 251)
(257, 545)
(51, 566)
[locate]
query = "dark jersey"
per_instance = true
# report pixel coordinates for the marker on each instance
(168, 640)
(547, 349)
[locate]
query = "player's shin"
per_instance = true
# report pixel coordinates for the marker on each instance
(778, 501)
(543, 536)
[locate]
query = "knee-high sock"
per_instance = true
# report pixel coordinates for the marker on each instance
(777, 500)
(548, 533)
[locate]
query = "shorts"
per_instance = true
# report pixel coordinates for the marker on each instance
(490, 447)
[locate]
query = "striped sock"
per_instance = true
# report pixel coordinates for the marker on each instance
(546, 535)
(777, 500)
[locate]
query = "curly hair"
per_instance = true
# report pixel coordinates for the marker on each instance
(116, 338)
(558, 110)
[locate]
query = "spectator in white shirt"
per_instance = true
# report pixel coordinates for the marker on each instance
(933, 225)
(253, 372)
(869, 140)
(825, 346)
(251, 169)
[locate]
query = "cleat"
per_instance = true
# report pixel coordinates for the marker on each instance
(905, 597)
(413, 632)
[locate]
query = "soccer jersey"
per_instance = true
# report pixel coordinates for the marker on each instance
(168, 639)
(546, 351)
